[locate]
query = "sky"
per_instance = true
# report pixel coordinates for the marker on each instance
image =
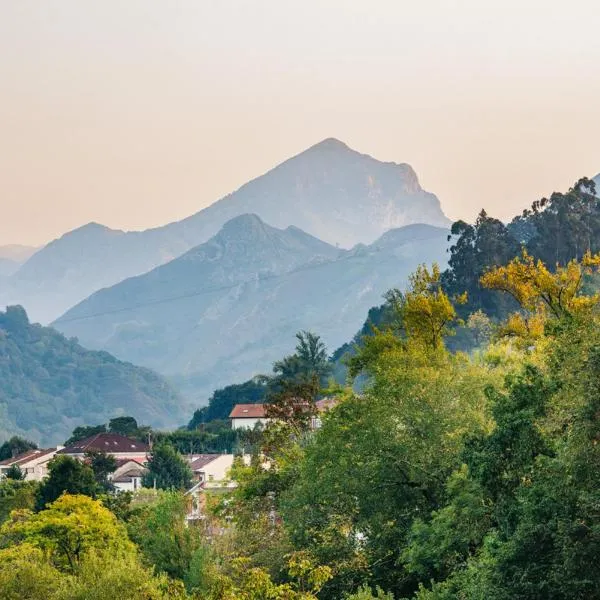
(137, 113)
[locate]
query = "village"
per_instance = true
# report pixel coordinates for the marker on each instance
(210, 471)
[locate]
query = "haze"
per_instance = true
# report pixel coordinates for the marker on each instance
(137, 113)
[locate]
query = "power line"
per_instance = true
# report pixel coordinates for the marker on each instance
(200, 292)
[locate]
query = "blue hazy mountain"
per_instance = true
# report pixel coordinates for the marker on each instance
(330, 191)
(228, 308)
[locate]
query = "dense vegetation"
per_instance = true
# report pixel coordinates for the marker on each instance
(452, 475)
(49, 384)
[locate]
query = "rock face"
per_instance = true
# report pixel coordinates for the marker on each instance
(228, 308)
(329, 191)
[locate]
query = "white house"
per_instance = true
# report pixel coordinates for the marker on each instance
(211, 474)
(33, 463)
(113, 444)
(246, 416)
(210, 467)
(128, 475)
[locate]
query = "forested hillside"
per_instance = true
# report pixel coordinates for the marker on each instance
(50, 384)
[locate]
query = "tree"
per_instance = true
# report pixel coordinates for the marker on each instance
(66, 475)
(14, 446)
(167, 470)
(14, 472)
(16, 495)
(25, 574)
(536, 289)
(293, 401)
(476, 248)
(426, 310)
(126, 426)
(308, 362)
(102, 465)
(161, 532)
(69, 529)
(223, 400)
(84, 431)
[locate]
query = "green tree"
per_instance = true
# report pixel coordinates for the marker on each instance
(126, 426)
(25, 574)
(102, 465)
(223, 400)
(14, 472)
(66, 475)
(308, 362)
(167, 470)
(84, 431)
(68, 529)
(14, 446)
(16, 495)
(160, 531)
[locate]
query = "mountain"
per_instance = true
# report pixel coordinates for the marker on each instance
(228, 308)
(12, 257)
(49, 385)
(329, 191)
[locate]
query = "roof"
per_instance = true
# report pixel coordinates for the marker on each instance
(124, 461)
(26, 456)
(248, 411)
(106, 442)
(201, 460)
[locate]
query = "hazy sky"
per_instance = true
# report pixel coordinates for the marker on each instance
(134, 113)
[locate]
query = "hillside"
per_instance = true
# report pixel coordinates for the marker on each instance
(228, 308)
(49, 384)
(329, 191)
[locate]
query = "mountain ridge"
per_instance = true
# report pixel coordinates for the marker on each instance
(328, 190)
(206, 323)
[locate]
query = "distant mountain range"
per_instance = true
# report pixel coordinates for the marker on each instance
(12, 257)
(330, 191)
(228, 308)
(49, 385)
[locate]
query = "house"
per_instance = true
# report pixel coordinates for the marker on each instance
(247, 416)
(113, 444)
(210, 467)
(128, 475)
(211, 475)
(33, 463)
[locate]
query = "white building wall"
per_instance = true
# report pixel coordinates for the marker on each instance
(247, 423)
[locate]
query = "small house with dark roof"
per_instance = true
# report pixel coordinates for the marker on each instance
(247, 416)
(33, 463)
(113, 444)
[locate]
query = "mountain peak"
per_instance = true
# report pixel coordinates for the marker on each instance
(246, 225)
(330, 143)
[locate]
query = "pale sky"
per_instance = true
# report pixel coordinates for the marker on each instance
(134, 113)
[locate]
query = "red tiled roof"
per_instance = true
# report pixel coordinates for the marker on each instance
(248, 411)
(106, 442)
(25, 457)
(201, 460)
